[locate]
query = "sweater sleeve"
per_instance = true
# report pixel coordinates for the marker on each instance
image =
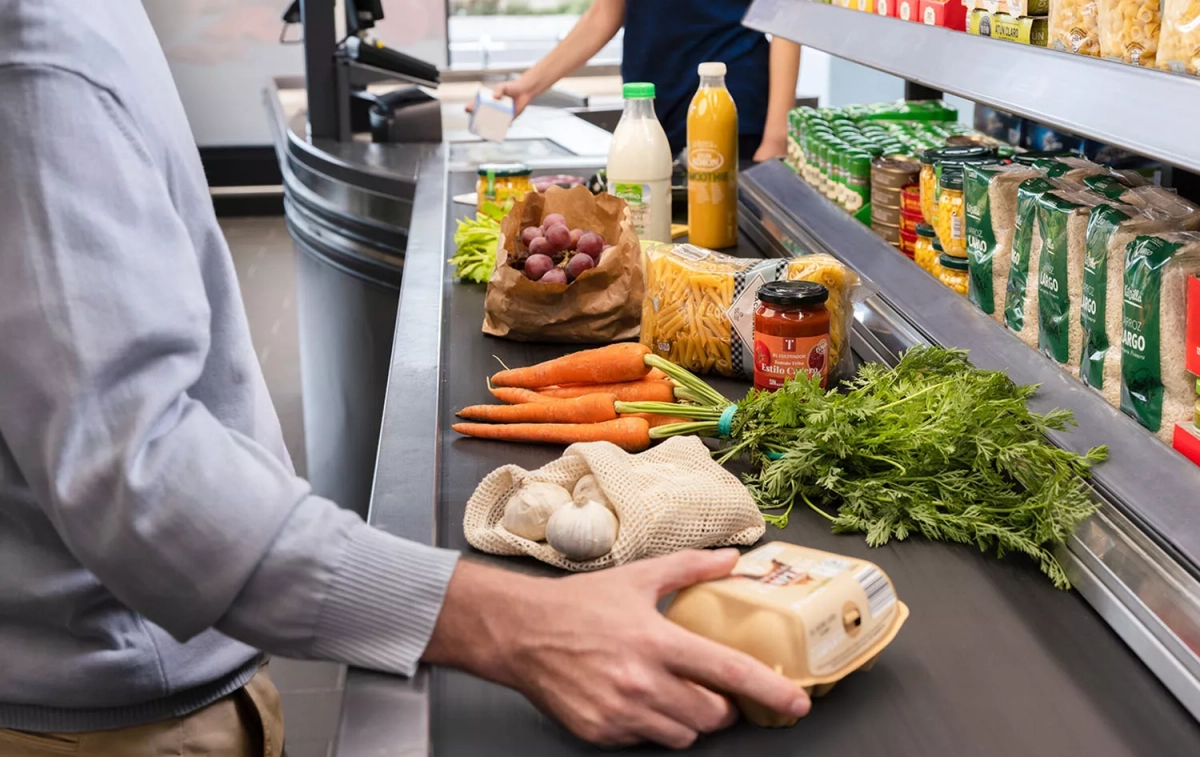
(104, 330)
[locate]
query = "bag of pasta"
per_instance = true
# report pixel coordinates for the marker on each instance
(1129, 30)
(1073, 27)
(699, 306)
(1179, 42)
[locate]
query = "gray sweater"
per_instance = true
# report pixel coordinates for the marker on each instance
(153, 535)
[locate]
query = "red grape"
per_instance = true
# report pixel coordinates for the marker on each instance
(591, 244)
(530, 234)
(554, 219)
(575, 235)
(554, 276)
(577, 265)
(559, 237)
(537, 265)
(540, 246)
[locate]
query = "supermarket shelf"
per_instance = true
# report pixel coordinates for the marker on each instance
(1150, 112)
(1164, 508)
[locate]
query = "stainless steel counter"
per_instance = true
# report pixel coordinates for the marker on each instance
(994, 660)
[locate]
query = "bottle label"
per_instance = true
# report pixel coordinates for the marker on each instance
(780, 358)
(637, 197)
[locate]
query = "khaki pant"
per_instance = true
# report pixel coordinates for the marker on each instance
(247, 723)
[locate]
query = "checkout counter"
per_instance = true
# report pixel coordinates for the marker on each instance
(994, 661)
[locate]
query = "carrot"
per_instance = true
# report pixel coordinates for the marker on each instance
(627, 391)
(656, 375)
(604, 365)
(655, 420)
(630, 434)
(513, 396)
(590, 408)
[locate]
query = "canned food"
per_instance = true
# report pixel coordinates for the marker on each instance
(889, 232)
(856, 171)
(910, 199)
(885, 215)
(885, 196)
(909, 221)
(894, 171)
(908, 242)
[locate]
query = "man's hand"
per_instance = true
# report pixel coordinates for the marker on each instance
(520, 90)
(772, 146)
(593, 651)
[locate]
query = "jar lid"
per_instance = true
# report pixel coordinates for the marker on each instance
(937, 244)
(956, 153)
(955, 264)
(638, 90)
(1028, 158)
(952, 177)
(794, 293)
(504, 169)
(925, 230)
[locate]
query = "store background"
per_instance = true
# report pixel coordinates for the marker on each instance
(222, 52)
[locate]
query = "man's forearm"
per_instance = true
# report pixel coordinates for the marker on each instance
(784, 71)
(595, 29)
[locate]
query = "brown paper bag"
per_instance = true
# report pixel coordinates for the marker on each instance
(603, 305)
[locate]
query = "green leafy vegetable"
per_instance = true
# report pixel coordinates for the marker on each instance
(933, 446)
(476, 255)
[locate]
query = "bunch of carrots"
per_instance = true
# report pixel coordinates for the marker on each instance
(589, 396)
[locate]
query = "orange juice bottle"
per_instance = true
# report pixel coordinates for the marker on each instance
(712, 156)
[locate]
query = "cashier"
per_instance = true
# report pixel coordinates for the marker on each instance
(665, 41)
(155, 541)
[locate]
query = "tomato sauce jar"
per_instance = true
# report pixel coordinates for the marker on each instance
(791, 333)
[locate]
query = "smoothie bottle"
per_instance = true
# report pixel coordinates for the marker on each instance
(639, 164)
(712, 159)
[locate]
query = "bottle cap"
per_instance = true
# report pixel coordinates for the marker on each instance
(712, 69)
(638, 90)
(795, 293)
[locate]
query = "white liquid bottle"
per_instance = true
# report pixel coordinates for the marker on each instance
(639, 165)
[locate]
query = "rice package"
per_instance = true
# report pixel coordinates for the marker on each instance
(1156, 388)
(699, 306)
(1111, 228)
(990, 194)
(1063, 224)
(1020, 297)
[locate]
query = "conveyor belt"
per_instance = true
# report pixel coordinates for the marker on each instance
(994, 660)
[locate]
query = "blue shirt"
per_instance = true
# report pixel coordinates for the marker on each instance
(665, 40)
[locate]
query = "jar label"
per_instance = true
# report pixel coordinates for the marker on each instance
(780, 358)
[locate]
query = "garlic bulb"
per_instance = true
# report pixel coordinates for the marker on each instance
(587, 488)
(582, 530)
(528, 511)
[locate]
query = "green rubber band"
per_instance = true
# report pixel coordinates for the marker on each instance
(725, 423)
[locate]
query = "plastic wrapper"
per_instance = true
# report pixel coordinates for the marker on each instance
(1074, 27)
(1179, 42)
(699, 306)
(1129, 30)
(1156, 388)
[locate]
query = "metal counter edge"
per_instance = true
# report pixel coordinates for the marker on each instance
(384, 714)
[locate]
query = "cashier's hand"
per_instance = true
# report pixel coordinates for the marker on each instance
(772, 146)
(593, 651)
(521, 92)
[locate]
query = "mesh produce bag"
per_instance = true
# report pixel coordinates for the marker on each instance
(669, 498)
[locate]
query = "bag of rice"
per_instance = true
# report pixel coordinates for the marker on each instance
(990, 194)
(1062, 224)
(1020, 299)
(1110, 229)
(1165, 200)
(1069, 169)
(1156, 388)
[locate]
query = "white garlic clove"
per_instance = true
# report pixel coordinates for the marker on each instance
(582, 530)
(530, 508)
(588, 488)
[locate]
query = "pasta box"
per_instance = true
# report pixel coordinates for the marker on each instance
(1025, 30)
(908, 10)
(950, 14)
